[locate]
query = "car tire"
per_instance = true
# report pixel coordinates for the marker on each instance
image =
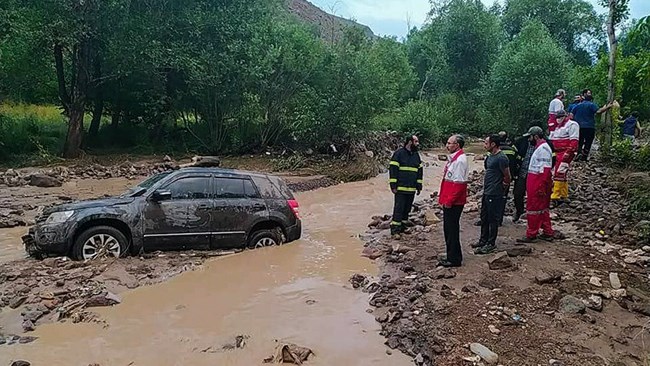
(264, 238)
(106, 240)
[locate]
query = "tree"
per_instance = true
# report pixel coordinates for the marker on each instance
(572, 23)
(521, 82)
(618, 11)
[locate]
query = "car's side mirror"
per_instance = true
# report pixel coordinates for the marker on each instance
(161, 195)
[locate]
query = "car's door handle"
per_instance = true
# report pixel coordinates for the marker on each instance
(259, 207)
(204, 206)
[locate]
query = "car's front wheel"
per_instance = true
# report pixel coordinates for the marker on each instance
(264, 238)
(99, 242)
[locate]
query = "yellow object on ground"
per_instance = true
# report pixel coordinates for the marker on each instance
(560, 190)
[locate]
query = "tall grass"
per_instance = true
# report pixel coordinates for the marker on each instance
(30, 131)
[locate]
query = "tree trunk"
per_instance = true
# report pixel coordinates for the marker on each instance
(82, 57)
(611, 75)
(115, 120)
(99, 99)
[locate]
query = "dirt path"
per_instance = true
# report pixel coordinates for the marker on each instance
(528, 307)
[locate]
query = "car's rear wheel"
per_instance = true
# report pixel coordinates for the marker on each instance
(99, 242)
(264, 238)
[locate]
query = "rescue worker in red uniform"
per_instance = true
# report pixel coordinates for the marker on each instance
(405, 181)
(453, 196)
(554, 107)
(539, 185)
(565, 141)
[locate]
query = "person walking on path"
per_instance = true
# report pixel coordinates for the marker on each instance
(565, 140)
(453, 196)
(585, 114)
(555, 106)
(497, 178)
(405, 181)
(539, 184)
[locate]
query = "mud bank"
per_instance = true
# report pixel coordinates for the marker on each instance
(582, 301)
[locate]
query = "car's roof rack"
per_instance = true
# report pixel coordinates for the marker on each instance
(203, 162)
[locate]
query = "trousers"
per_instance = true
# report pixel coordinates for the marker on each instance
(451, 226)
(401, 209)
(491, 214)
(519, 193)
(587, 136)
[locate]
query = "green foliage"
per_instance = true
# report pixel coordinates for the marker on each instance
(523, 80)
(574, 24)
(624, 155)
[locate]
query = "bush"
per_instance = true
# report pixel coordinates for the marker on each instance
(30, 130)
(624, 155)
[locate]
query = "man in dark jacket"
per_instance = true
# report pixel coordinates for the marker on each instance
(514, 160)
(405, 181)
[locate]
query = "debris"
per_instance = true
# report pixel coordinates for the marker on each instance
(289, 353)
(238, 343)
(20, 363)
(614, 281)
(485, 353)
(371, 253)
(519, 251)
(571, 305)
(44, 181)
(105, 299)
(500, 261)
(28, 325)
(594, 303)
(430, 218)
(553, 362)
(595, 281)
(358, 280)
(494, 330)
(17, 301)
(545, 278)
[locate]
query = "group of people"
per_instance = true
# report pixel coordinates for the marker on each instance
(537, 165)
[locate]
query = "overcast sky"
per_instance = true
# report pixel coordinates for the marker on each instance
(392, 17)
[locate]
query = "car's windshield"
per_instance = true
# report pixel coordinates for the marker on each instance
(146, 184)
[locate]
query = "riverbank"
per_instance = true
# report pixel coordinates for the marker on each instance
(580, 301)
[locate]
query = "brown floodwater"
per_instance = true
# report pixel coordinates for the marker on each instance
(296, 293)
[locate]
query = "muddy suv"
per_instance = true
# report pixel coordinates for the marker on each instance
(190, 208)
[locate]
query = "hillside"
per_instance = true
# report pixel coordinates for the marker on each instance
(330, 26)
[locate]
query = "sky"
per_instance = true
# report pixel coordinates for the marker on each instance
(393, 17)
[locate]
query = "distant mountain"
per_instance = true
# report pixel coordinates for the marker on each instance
(330, 26)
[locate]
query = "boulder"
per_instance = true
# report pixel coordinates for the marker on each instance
(519, 251)
(614, 281)
(544, 278)
(105, 299)
(594, 303)
(431, 218)
(485, 353)
(572, 305)
(44, 181)
(500, 261)
(595, 281)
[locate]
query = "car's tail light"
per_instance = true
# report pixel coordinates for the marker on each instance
(293, 204)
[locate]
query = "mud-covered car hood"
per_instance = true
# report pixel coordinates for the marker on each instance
(81, 205)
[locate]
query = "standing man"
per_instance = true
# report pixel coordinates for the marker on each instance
(585, 114)
(405, 181)
(514, 160)
(576, 100)
(555, 106)
(497, 179)
(453, 196)
(565, 140)
(525, 149)
(539, 185)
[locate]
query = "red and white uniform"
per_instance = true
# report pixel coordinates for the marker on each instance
(565, 141)
(555, 106)
(453, 190)
(539, 185)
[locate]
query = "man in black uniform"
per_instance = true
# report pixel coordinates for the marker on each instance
(405, 181)
(508, 148)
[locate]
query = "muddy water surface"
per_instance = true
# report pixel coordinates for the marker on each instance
(296, 293)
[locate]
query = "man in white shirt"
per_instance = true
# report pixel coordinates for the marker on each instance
(554, 107)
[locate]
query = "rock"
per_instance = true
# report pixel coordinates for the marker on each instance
(641, 308)
(384, 225)
(500, 261)
(494, 330)
(167, 159)
(357, 280)
(370, 154)
(28, 326)
(17, 301)
(614, 281)
(25, 340)
(595, 281)
(594, 303)
(553, 362)
(519, 251)
(44, 181)
(445, 273)
(371, 253)
(21, 363)
(571, 305)
(419, 359)
(443, 157)
(33, 315)
(470, 207)
(431, 218)
(105, 299)
(401, 249)
(544, 278)
(485, 353)
(646, 248)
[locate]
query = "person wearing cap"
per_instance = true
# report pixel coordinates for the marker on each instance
(555, 106)
(576, 100)
(565, 140)
(539, 185)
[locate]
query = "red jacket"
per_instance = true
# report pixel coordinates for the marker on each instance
(453, 189)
